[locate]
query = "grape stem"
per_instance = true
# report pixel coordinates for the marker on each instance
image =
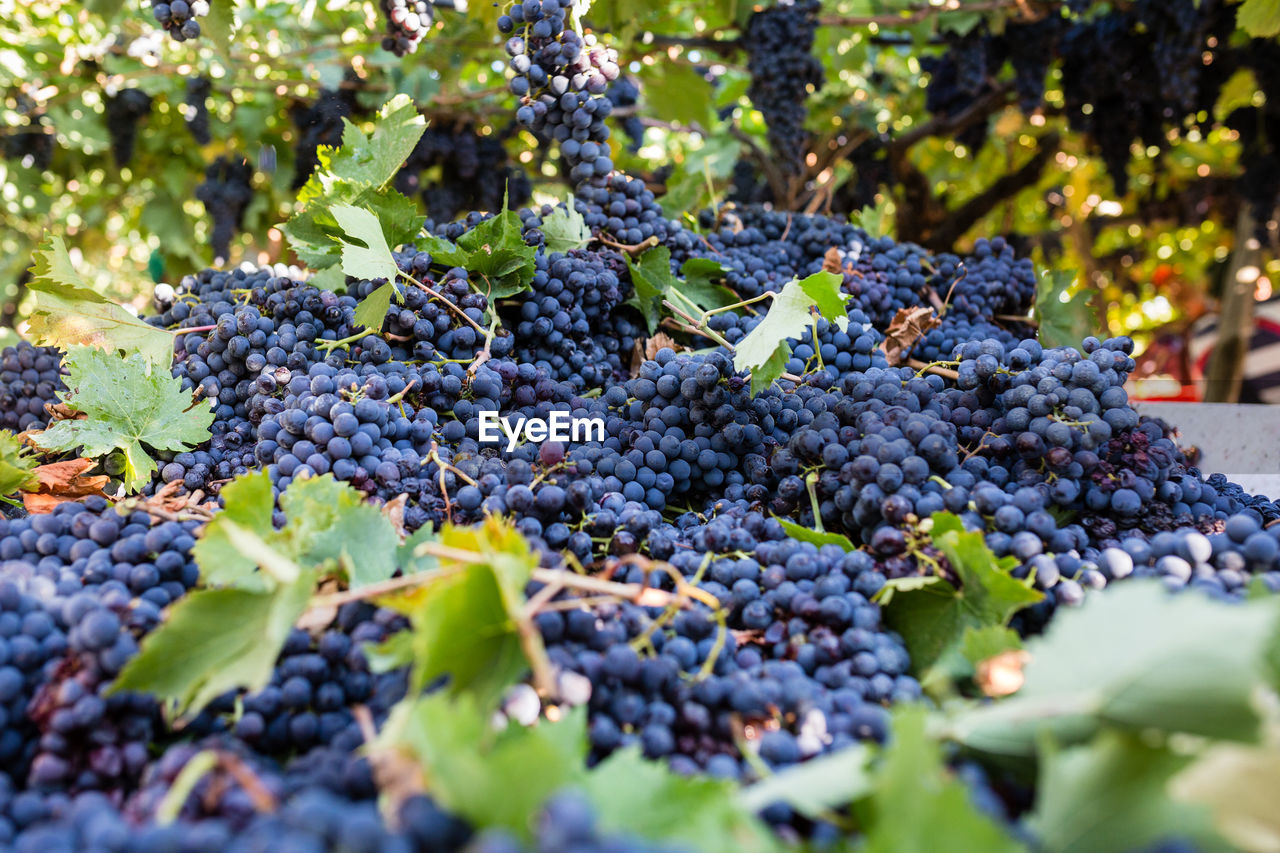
(936, 368)
(632, 249)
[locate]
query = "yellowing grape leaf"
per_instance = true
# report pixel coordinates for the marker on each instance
(68, 312)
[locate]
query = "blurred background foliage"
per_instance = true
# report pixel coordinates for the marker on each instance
(1152, 254)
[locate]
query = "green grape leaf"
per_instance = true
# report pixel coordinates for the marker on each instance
(1123, 783)
(15, 465)
(917, 805)
(700, 287)
(220, 24)
(373, 159)
(693, 812)
(498, 254)
(817, 537)
(764, 351)
(565, 229)
(815, 786)
(313, 231)
(1239, 91)
(651, 275)
(326, 521)
(248, 502)
(1065, 320)
(365, 253)
(979, 644)
(372, 310)
(331, 279)
(128, 407)
(215, 640)
(470, 769)
(1259, 18)
(933, 618)
(470, 621)
(443, 252)
(356, 175)
(876, 220)
(68, 312)
(1156, 674)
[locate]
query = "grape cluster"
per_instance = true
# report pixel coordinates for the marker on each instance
(315, 683)
(625, 94)
(319, 124)
(557, 323)
(100, 579)
(226, 192)
(407, 24)
(124, 110)
(196, 110)
(806, 663)
(1175, 58)
(475, 173)
(561, 78)
(30, 379)
(178, 17)
(784, 71)
(32, 144)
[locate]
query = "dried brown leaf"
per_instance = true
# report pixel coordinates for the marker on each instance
(41, 504)
(831, 261)
(657, 342)
(59, 482)
(318, 618)
(637, 357)
(63, 412)
(394, 511)
(1003, 674)
(908, 326)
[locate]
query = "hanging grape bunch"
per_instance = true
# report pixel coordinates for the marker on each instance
(179, 17)
(226, 192)
(561, 78)
(409, 20)
(124, 110)
(407, 23)
(779, 41)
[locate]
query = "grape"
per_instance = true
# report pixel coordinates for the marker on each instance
(226, 193)
(196, 111)
(178, 17)
(124, 110)
(779, 41)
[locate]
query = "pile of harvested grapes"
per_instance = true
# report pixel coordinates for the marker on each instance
(576, 527)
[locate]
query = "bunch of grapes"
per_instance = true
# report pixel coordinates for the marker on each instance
(124, 110)
(196, 109)
(31, 145)
(178, 17)
(319, 124)
(226, 192)
(784, 72)
(561, 78)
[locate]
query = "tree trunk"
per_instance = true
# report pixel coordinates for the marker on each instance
(1225, 372)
